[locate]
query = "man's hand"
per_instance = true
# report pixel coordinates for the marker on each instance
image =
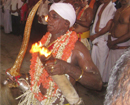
(111, 45)
(56, 67)
(39, 19)
(93, 37)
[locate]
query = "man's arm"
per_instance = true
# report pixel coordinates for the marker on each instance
(102, 31)
(86, 22)
(90, 74)
(81, 68)
(12, 11)
(123, 38)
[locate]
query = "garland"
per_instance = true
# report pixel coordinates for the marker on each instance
(62, 49)
(81, 12)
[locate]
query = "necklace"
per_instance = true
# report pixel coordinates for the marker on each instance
(62, 49)
(56, 41)
(81, 12)
(124, 9)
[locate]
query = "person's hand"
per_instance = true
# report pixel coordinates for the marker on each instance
(92, 37)
(39, 19)
(56, 67)
(111, 45)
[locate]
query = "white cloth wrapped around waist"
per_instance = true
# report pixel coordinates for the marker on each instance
(100, 38)
(127, 43)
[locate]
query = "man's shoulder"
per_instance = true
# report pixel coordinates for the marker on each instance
(79, 46)
(89, 9)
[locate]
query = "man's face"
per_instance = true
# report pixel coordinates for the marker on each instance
(84, 2)
(124, 2)
(55, 22)
(77, 2)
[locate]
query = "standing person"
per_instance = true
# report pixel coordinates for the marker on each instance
(41, 13)
(23, 16)
(31, 3)
(1, 14)
(7, 17)
(83, 21)
(119, 36)
(71, 58)
(101, 26)
(95, 7)
(15, 10)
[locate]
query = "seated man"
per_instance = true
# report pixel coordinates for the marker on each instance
(70, 57)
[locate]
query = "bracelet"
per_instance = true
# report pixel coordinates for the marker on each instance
(80, 76)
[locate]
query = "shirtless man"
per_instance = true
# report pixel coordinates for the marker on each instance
(101, 26)
(119, 39)
(83, 21)
(70, 58)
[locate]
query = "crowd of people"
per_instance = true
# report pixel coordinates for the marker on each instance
(86, 38)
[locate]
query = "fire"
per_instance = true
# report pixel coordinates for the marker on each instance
(39, 48)
(46, 18)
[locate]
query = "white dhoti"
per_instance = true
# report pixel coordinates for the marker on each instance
(99, 53)
(113, 56)
(7, 21)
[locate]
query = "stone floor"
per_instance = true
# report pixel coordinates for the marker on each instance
(10, 46)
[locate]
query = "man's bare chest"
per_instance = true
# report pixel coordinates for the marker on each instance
(122, 18)
(123, 15)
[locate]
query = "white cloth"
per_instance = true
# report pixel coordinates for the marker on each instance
(7, 4)
(100, 50)
(65, 10)
(20, 3)
(113, 56)
(99, 54)
(7, 17)
(7, 21)
(107, 14)
(43, 11)
(14, 3)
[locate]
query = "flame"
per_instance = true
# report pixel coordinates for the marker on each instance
(46, 18)
(39, 48)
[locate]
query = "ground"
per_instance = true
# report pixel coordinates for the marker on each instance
(10, 47)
